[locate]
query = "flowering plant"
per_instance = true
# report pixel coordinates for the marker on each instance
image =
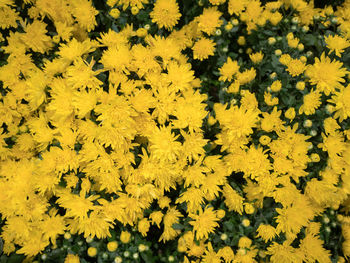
(174, 131)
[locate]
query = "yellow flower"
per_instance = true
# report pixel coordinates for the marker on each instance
(290, 113)
(276, 86)
(226, 253)
(337, 44)
(203, 48)
(204, 222)
(295, 67)
(112, 246)
(326, 74)
(266, 232)
(92, 251)
(71, 258)
(233, 200)
(125, 237)
(115, 13)
(264, 140)
(143, 226)
(311, 102)
(245, 222)
(269, 100)
(209, 20)
(341, 99)
(228, 70)
(300, 85)
(241, 40)
(163, 144)
(165, 13)
(256, 58)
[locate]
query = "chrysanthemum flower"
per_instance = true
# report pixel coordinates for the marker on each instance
(204, 223)
(165, 13)
(341, 99)
(337, 44)
(311, 102)
(209, 20)
(326, 74)
(203, 48)
(228, 70)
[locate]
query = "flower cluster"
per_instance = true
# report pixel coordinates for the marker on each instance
(159, 131)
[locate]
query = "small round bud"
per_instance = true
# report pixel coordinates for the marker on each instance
(300, 47)
(327, 229)
(279, 38)
(264, 140)
(89, 239)
(293, 27)
(118, 260)
(92, 251)
(235, 22)
(171, 258)
(147, 26)
(309, 53)
(67, 235)
(326, 220)
(218, 32)
(135, 255)
(241, 40)
(313, 133)
(43, 257)
(126, 254)
(295, 20)
(334, 20)
(307, 124)
(273, 75)
(115, 13)
(305, 29)
(271, 40)
(80, 243)
(104, 255)
(223, 237)
(225, 49)
(278, 52)
(142, 247)
(220, 213)
(300, 85)
(245, 222)
(112, 246)
(135, 10)
(228, 26)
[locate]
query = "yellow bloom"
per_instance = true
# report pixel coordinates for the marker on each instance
(276, 86)
(204, 222)
(341, 99)
(256, 58)
(290, 113)
(165, 13)
(295, 67)
(311, 102)
(71, 258)
(125, 237)
(203, 48)
(228, 70)
(143, 226)
(233, 200)
(92, 251)
(209, 20)
(112, 246)
(326, 74)
(337, 44)
(164, 146)
(266, 232)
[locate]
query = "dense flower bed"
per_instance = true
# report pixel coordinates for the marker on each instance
(174, 131)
